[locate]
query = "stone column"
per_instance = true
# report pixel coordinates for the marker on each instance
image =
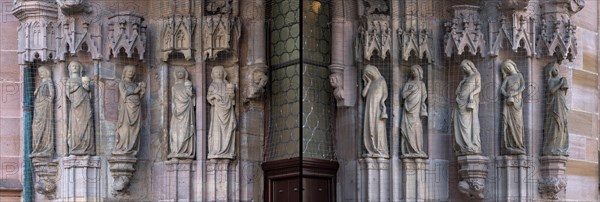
(473, 172)
(512, 178)
(414, 184)
(80, 179)
(179, 177)
(553, 177)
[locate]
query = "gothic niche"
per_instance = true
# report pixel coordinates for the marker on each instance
(177, 34)
(375, 33)
(221, 30)
(126, 31)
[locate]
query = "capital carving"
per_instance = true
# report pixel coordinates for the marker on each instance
(464, 32)
(126, 31)
(258, 79)
(177, 36)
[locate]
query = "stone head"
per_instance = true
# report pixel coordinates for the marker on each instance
(75, 67)
(44, 72)
(181, 74)
(372, 72)
(469, 67)
(509, 67)
(218, 73)
(128, 73)
(416, 72)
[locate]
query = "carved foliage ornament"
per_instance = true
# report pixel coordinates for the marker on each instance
(177, 35)
(71, 6)
(550, 187)
(127, 33)
(220, 34)
(464, 32)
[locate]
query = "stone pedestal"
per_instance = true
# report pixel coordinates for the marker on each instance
(80, 178)
(473, 172)
(179, 179)
(46, 171)
(512, 178)
(218, 180)
(376, 178)
(553, 179)
(121, 168)
(414, 183)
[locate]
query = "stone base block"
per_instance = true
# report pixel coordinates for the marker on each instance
(80, 179)
(414, 182)
(473, 172)
(219, 185)
(553, 182)
(512, 177)
(376, 178)
(179, 179)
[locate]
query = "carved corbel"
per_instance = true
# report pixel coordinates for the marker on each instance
(71, 6)
(553, 180)
(515, 27)
(36, 33)
(557, 36)
(258, 79)
(75, 35)
(336, 78)
(126, 31)
(177, 36)
(473, 172)
(46, 172)
(464, 32)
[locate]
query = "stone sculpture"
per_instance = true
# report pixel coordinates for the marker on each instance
(43, 116)
(221, 133)
(258, 80)
(183, 123)
(129, 122)
(80, 136)
(466, 120)
(512, 112)
(556, 140)
(374, 132)
(414, 95)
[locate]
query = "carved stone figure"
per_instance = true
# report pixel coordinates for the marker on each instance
(219, 6)
(466, 120)
(80, 136)
(337, 83)
(129, 122)
(374, 132)
(556, 140)
(376, 5)
(414, 95)
(71, 6)
(43, 116)
(221, 134)
(183, 123)
(258, 80)
(512, 112)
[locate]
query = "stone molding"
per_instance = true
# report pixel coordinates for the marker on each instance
(464, 32)
(81, 162)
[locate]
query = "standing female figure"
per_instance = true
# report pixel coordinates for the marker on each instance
(43, 116)
(80, 136)
(183, 122)
(374, 132)
(512, 111)
(466, 114)
(414, 95)
(221, 133)
(556, 139)
(129, 122)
